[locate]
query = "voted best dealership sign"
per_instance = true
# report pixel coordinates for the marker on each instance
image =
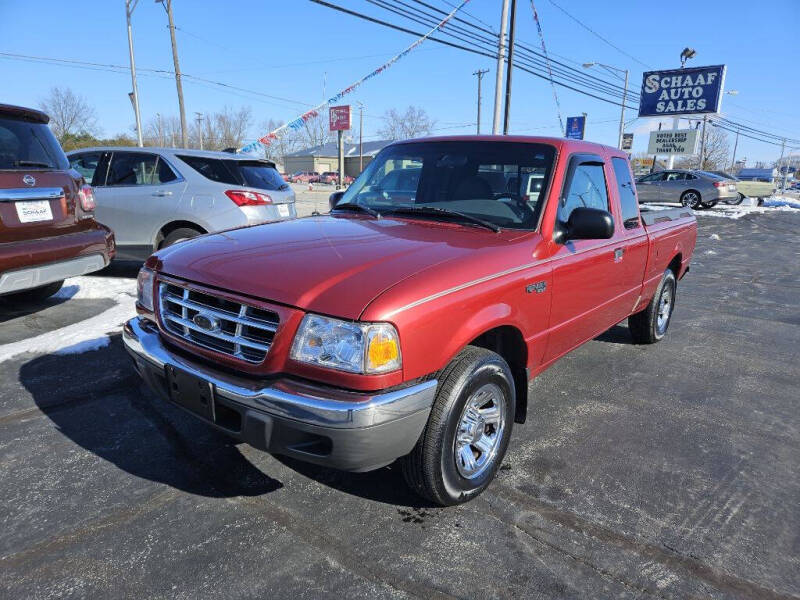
(682, 91)
(677, 141)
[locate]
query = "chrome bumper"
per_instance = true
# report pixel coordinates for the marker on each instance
(359, 430)
(31, 277)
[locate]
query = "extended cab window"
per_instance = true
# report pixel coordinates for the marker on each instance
(501, 183)
(627, 193)
(586, 188)
(138, 168)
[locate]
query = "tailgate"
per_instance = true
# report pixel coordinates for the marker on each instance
(37, 204)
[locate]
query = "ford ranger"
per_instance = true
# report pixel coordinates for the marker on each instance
(408, 321)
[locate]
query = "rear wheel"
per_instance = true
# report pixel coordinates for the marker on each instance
(735, 201)
(650, 325)
(692, 199)
(179, 235)
(468, 430)
(711, 204)
(37, 294)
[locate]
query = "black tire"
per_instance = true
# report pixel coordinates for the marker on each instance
(760, 202)
(431, 469)
(710, 204)
(33, 295)
(735, 201)
(692, 199)
(646, 327)
(179, 235)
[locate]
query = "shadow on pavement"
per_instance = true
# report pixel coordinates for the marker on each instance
(120, 268)
(618, 334)
(97, 400)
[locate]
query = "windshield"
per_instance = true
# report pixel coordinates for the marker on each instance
(502, 183)
(26, 145)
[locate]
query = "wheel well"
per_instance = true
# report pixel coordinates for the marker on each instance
(172, 226)
(508, 342)
(675, 265)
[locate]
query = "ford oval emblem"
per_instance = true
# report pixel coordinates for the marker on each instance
(206, 322)
(29, 180)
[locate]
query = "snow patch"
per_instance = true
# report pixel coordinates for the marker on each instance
(714, 236)
(91, 333)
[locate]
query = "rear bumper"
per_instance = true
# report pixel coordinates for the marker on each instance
(32, 277)
(353, 431)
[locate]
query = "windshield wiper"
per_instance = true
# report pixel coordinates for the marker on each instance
(358, 208)
(32, 163)
(444, 212)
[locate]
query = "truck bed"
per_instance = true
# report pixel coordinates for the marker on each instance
(651, 216)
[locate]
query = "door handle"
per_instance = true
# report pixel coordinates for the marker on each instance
(162, 193)
(618, 253)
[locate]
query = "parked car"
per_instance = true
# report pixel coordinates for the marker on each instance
(747, 189)
(47, 227)
(696, 189)
(155, 197)
(304, 177)
(332, 177)
(424, 316)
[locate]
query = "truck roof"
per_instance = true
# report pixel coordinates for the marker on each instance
(560, 143)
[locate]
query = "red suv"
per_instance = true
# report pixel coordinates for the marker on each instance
(47, 226)
(304, 177)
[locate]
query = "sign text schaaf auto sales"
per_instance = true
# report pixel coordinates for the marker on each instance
(681, 91)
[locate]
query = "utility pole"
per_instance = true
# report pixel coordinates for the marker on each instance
(199, 120)
(129, 8)
(509, 66)
(480, 73)
(184, 134)
(498, 80)
(655, 156)
(340, 178)
(160, 131)
(622, 114)
(703, 144)
(360, 137)
(780, 173)
(735, 145)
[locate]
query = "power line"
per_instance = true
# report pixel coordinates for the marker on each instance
(597, 35)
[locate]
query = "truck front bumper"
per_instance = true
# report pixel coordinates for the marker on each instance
(353, 431)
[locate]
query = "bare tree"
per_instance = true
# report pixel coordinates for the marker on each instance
(164, 131)
(717, 151)
(227, 128)
(70, 114)
(285, 144)
(314, 132)
(414, 122)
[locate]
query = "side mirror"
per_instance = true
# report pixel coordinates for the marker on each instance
(585, 224)
(334, 198)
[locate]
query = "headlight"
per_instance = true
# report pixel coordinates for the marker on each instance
(346, 346)
(144, 288)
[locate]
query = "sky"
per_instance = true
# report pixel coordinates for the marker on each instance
(289, 55)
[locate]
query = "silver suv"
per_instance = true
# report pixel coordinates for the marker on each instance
(154, 197)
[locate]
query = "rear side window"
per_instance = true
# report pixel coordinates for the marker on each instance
(86, 165)
(26, 145)
(627, 193)
(211, 168)
(586, 188)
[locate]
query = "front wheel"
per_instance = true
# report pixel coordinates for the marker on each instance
(691, 199)
(468, 430)
(650, 325)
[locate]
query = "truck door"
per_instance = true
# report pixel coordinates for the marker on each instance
(586, 289)
(633, 247)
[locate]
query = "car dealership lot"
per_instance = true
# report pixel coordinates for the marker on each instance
(665, 471)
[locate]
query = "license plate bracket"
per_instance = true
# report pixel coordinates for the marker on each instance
(191, 392)
(33, 211)
(283, 210)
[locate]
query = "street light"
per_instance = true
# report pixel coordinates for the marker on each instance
(589, 65)
(686, 55)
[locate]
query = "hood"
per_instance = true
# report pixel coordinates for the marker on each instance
(332, 265)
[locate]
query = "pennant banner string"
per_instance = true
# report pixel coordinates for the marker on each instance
(297, 123)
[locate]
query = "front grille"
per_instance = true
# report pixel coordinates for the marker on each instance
(215, 323)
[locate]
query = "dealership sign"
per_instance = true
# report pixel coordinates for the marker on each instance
(339, 117)
(676, 141)
(682, 91)
(575, 128)
(627, 141)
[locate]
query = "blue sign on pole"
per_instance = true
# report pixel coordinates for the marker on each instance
(575, 127)
(682, 91)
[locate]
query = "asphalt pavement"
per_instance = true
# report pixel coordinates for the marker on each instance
(664, 471)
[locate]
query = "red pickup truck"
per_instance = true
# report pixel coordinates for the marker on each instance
(408, 322)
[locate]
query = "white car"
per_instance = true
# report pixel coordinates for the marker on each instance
(154, 197)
